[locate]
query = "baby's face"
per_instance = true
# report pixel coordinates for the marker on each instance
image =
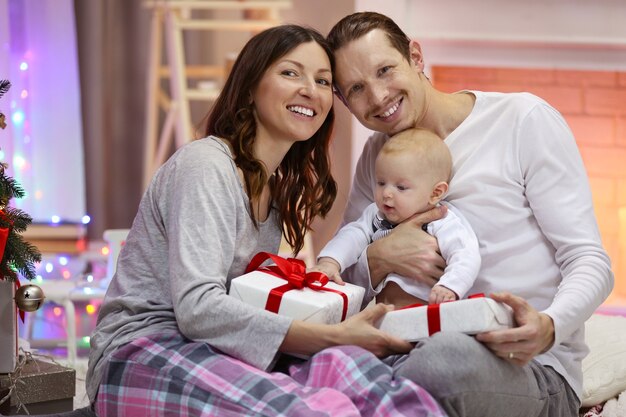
(402, 190)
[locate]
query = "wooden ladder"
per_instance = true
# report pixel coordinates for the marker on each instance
(169, 19)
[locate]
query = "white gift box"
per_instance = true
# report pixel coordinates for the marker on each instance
(8, 327)
(470, 316)
(305, 304)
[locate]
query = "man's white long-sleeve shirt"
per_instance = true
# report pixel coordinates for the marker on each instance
(519, 180)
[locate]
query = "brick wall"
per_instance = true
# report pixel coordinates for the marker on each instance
(594, 105)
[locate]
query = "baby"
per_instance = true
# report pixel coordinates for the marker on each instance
(412, 169)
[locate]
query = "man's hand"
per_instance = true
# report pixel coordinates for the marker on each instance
(534, 334)
(408, 251)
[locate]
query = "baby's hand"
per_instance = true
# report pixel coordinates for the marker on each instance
(439, 294)
(330, 268)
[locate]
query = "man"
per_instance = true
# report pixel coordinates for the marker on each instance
(519, 180)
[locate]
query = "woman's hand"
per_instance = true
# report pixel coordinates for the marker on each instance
(360, 330)
(519, 345)
(408, 251)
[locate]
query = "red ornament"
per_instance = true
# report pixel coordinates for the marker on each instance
(4, 236)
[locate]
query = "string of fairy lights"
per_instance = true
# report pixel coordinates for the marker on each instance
(84, 271)
(20, 150)
(21, 146)
(41, 143)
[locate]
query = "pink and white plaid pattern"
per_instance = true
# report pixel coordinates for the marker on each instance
(167, 375)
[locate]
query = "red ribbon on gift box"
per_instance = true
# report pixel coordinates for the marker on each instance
(433, 316)
(294, 272)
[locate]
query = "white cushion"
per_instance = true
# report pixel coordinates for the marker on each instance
(604, 369)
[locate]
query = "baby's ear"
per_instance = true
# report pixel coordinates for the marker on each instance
(439, 192)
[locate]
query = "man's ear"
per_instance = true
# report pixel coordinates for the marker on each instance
(439, 192)
(340, 96)
(415, 50)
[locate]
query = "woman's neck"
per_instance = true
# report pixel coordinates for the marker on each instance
(270, 153)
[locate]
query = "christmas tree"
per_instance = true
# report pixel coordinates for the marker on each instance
(17, 254)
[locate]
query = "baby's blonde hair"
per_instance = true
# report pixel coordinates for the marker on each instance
(430, 152)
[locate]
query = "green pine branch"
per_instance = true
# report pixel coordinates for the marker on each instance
(9, 188)
(4, 86)
(19, 255)
(20, 219)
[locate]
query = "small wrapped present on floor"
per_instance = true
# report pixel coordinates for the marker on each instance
(285, 288)
(470, 316)
(39, 387)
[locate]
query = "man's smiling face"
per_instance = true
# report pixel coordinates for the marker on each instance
(380, 87)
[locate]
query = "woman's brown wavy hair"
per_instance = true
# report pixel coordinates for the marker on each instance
(302, 187)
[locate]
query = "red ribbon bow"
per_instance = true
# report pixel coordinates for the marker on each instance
(294, 272)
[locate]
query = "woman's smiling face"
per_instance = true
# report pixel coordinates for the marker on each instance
(294, 95)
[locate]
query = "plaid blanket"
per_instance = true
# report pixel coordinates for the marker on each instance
(168, 375)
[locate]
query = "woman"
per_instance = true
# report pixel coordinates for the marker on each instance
(168, 335)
